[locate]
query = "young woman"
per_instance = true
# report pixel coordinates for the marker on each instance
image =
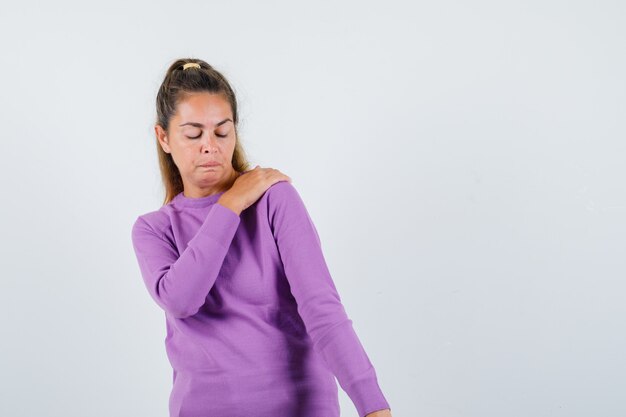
(255, 326)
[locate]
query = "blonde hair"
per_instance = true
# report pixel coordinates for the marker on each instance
(180, 80)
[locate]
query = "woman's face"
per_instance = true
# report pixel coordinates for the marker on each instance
(201, 131)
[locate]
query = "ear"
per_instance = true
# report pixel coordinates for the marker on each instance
(161, 136)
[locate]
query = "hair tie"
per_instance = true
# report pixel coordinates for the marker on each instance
(190, 65)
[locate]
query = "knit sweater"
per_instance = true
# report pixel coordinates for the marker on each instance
(254, 323)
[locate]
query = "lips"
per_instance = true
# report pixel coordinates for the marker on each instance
(210, 164)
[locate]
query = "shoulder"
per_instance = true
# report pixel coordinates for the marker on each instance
(156, 222)
(282, 191)
(281, 196)
(284, 201)
(287, 211)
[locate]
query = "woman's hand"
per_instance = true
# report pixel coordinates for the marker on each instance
(380, 413)
(251, 185)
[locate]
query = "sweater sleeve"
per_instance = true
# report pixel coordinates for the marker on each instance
(180, 284)
(319, 303)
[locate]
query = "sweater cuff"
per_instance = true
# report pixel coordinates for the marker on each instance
(220, 225)
(367, 396)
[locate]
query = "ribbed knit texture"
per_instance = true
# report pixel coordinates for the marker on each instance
(255, 325)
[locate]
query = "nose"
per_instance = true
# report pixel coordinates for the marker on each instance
(209, 144)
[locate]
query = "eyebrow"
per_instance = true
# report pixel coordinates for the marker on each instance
(201, 125)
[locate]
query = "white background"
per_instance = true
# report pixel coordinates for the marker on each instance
(462, 161)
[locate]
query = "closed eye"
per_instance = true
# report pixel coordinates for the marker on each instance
(197, 137)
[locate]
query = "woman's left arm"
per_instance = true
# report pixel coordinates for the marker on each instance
(319, 303)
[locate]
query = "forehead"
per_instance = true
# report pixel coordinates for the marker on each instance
(206, 108)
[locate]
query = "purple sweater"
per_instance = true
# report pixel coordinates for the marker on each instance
(255, 326)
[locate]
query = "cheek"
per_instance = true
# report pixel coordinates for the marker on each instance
(186, 159)
(227, 148)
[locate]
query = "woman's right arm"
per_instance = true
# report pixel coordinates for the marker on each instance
(180, 284)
